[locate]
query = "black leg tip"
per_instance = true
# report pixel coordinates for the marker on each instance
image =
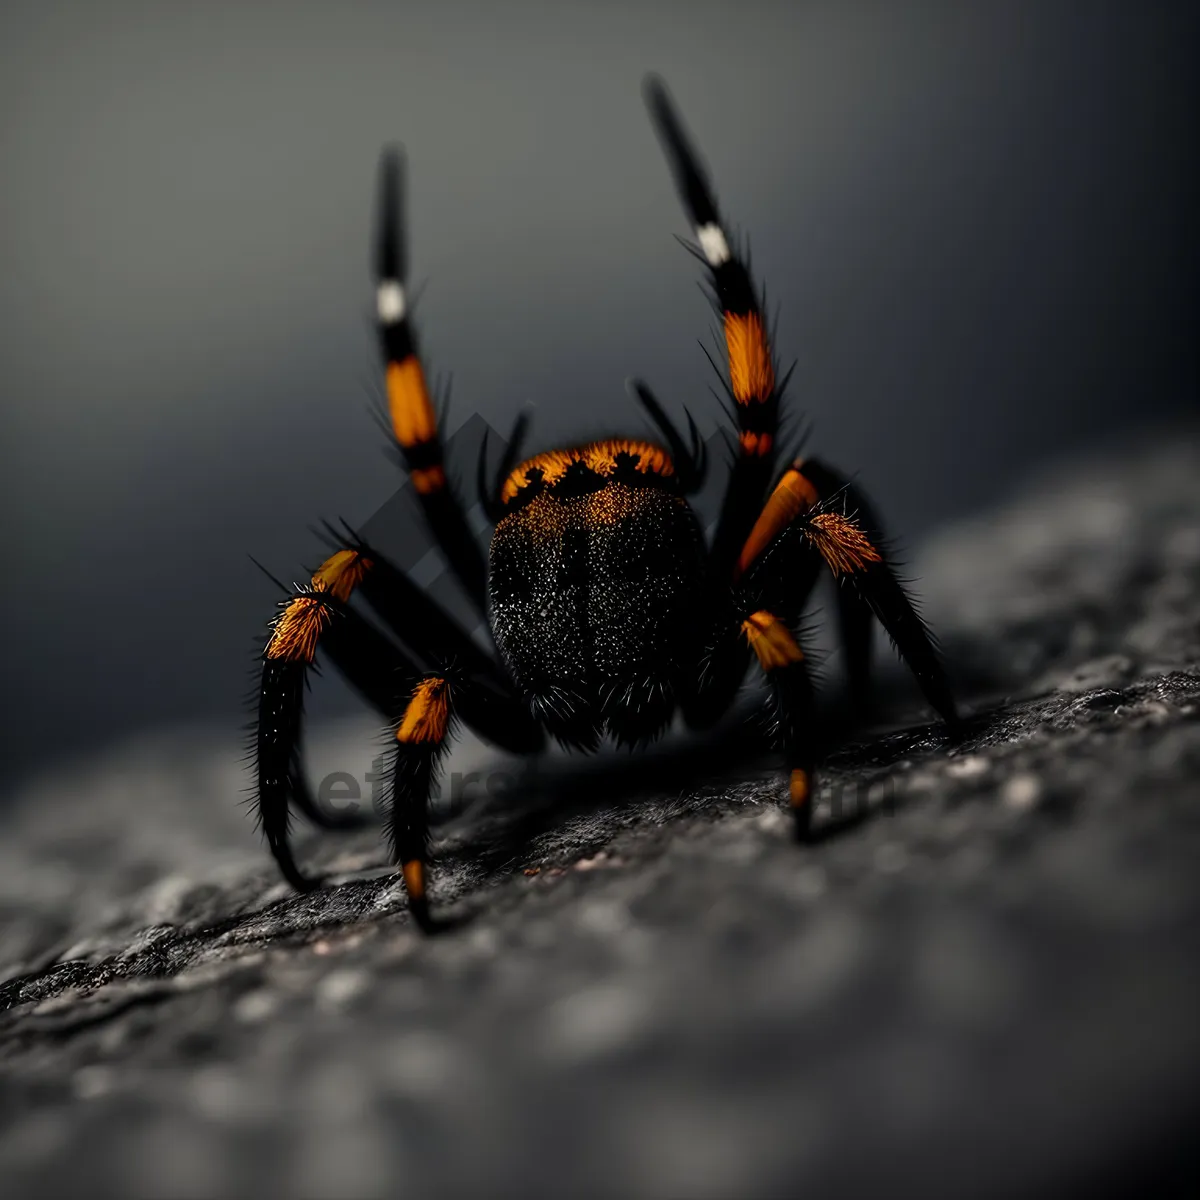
(802, 833)
(654, 90)
(287, 868)
(303, 884)
(422, 918)
(390, 252)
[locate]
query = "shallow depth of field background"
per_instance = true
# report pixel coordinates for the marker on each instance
(979, 222)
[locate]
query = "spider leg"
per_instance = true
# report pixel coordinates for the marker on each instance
(690, 462)
(381, 675)
(855, 614)
(380, 671)
(384, 674)
(288, 655)
(753, 383)
(489, 493)
(745, 528)
(854, 634)
(758, 622)
(425, 629)
(783, 589)
(782, 661)
(413, 419)
(280, 708)
(814, 511)
(421, 741)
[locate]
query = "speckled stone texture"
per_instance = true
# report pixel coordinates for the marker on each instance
(983, 981)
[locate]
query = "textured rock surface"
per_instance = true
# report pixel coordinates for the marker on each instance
(983, 981)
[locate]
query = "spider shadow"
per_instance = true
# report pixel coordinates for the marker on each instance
(571, 807)
(565, 808)
(574, 804)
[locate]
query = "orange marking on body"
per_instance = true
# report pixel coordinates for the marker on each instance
(414, 878)
(751, 375)
(612, 504)
(427, 714)
(428, 479)
(408, 400)
(842, 543)
(600, 457)
(297, 629)
(798, 788)
(548, 518)
(771, 640)
(793, 495)
(755, 445)
(341, 573)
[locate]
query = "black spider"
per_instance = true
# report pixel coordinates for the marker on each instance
(606, 607)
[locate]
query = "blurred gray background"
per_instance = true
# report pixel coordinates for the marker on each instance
(979, 220)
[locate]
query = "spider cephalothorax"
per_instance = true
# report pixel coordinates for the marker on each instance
(608, 610)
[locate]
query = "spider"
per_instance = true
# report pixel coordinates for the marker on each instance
(608, 611)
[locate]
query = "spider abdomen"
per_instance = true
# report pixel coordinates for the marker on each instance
(594, 583)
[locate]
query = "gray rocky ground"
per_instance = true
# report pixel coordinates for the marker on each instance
(984, 980)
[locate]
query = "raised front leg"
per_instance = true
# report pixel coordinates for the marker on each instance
(414, 421)
(753, 385)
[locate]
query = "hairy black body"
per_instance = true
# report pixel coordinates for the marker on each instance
(608, 610)
(594, 587)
